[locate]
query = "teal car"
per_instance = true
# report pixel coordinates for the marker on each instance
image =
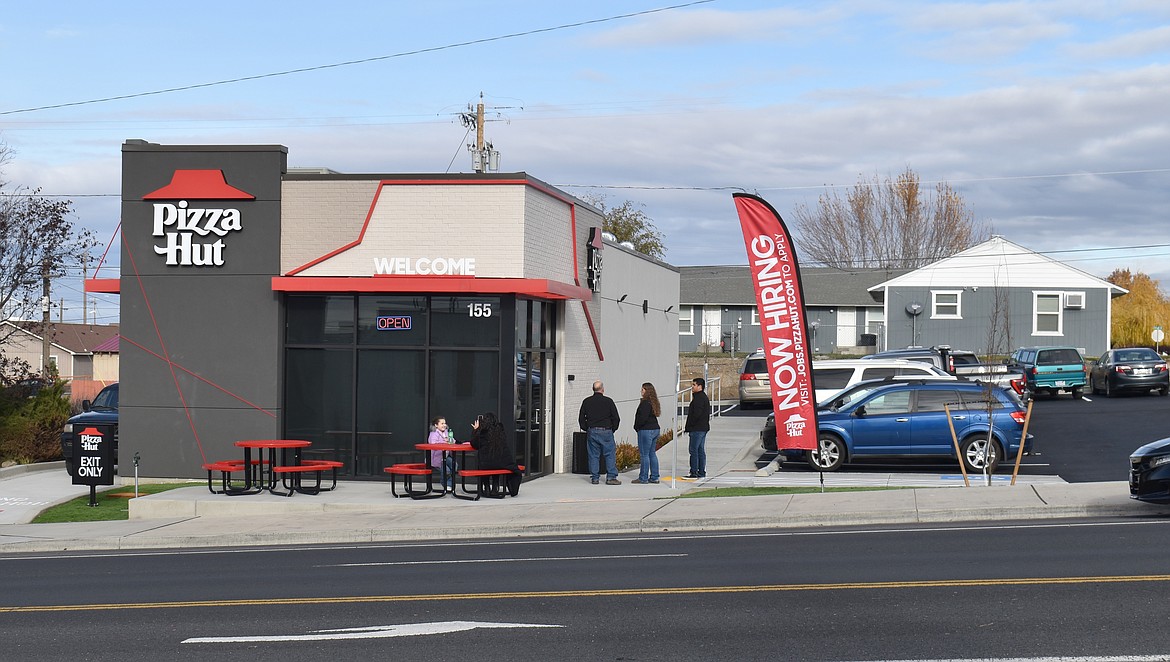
(1051, 370)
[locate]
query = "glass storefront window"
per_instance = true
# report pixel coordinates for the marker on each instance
(390, 417)
(465, 321)
(319, 319)
(318, 400)
(392, 320)
(464, 384)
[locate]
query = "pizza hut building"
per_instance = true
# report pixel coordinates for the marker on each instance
(349, 310)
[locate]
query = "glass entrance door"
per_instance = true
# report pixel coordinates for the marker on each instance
(535, 385)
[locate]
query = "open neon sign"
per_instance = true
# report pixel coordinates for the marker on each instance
(394, 322)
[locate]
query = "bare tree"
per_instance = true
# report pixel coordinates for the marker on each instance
(632, 225)
(36, 240)
(891, 224)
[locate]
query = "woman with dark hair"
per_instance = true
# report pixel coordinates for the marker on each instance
(646, 425)
(494, 451)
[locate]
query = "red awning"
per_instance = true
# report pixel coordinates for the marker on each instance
(533, 287)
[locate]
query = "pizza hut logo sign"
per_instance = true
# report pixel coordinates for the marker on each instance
(188, 231)
(593, 255)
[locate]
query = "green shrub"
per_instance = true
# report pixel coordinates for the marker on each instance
(30, 428)
(664, 439)
(627, 456)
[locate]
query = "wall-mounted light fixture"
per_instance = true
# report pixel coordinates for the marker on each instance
(668, 309)
(623, 298)
(645, 306)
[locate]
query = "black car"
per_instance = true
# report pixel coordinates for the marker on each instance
(1129, 369)
(1149, 472)
(102, 411)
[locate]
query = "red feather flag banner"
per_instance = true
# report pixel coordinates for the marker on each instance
(780, 301)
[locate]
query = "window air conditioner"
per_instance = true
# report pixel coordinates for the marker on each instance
(1074, 299)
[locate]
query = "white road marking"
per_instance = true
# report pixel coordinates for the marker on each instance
(373, 632)
(514, 560)
(1094, 658)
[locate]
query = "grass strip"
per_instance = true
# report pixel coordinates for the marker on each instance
(109, 507)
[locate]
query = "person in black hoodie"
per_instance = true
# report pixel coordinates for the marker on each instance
(494, 452)
(646, 425)
(697, 425)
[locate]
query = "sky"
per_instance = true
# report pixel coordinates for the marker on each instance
(1049, 118)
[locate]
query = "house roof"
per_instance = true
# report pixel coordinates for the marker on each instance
(110, 346)
(823, 286)
(998, 262)
(75, 338)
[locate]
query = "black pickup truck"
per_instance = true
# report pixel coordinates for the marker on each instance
(102, 411)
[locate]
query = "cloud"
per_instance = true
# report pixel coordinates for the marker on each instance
(706, 26)
(1132, 44)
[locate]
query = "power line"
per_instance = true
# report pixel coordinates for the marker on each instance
(1001, 178)
(347, 63)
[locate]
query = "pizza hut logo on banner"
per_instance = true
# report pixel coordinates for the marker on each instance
(190, 234)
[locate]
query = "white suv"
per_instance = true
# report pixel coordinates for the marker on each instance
(829, 376)
(833, 375)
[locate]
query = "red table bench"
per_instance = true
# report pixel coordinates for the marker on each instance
(290, 476)
(409, 471)
(488, 483)
(226, 468)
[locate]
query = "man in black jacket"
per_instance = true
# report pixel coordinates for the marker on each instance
(697, 425)
(599, 417)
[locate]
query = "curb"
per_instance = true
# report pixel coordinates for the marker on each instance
(649, 524)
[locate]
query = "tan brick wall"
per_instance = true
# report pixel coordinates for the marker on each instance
(320, 216)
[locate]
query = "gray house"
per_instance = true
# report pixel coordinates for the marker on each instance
(718, 309)
(995, 297)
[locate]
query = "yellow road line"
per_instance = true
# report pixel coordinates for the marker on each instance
(520, 595)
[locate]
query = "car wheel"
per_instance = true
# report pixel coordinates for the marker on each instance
(975, 451)
(1093, 386)
(1108, 389)
(1077, 393)
(829, 455)
(1165, 390)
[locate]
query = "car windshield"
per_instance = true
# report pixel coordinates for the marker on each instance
(1058, 357)
(107, 399)
(1127, 355)
(754, 367)
(851, 394)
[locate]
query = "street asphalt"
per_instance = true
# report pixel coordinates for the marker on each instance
(560, 504)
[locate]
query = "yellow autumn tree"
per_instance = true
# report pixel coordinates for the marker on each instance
(1136, 314)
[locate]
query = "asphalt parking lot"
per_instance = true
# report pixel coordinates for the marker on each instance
(1081, 441)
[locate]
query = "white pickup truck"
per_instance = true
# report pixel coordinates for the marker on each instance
(960, 363)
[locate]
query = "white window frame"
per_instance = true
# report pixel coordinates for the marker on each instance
(934, 305)
(686, 314)
(755, 316)
(1059, 312)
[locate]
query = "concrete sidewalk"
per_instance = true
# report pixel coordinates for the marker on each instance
(562, 504)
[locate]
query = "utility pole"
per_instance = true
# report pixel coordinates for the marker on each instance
(484, 157)
(84, 276)
(45, 318)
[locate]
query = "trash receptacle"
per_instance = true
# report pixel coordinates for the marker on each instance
(867, 340)
(580, 452)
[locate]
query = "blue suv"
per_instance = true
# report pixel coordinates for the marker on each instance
(908, 419)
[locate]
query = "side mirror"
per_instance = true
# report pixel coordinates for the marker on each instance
(86, 405)
(860, 412)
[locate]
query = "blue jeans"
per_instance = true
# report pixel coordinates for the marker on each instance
(647, 440)
(698, 448)
(601, 443)
(450, 469)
